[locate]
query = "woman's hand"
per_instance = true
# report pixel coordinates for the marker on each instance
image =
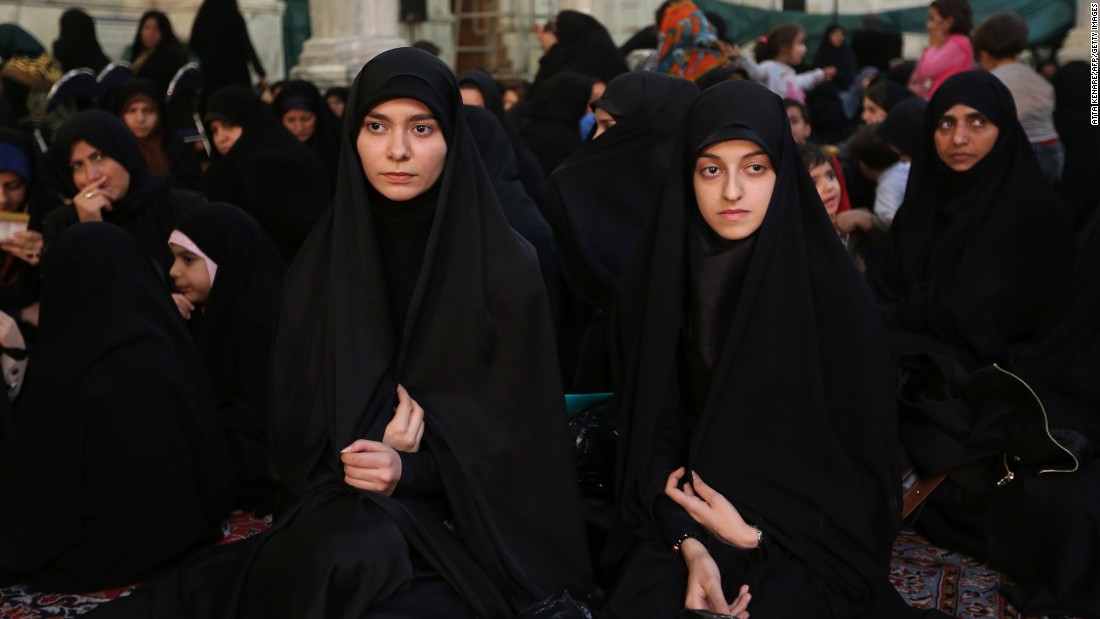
(855, 219)
(90, 202)
(830, 72)
(704, 585)
(29, 314)
(372, 466)
(25, 245)
(404, 431)
(709, 508)
(10, 336)
(183, 305)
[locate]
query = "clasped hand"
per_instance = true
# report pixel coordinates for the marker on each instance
(376, 466)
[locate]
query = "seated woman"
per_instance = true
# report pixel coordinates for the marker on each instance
(141, 106)
(227, 277)
(597, 203)
(413, 327)
(262, 168)
(112, 462)
(969, 289)
(761, 459)
(101, 163)
(306, 115)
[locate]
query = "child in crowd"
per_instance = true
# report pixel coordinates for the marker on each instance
(782, 49)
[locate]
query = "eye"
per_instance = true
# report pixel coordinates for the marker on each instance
(709, 171)
(97, 156)
(423, 129)
(979, 121)
(188, 260)
(830, 175)
(946, 123)
(756, 168)
(76, 166)
(374, 126)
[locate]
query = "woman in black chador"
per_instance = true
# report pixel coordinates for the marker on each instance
(112, 463)
(994, 328)
(597, 202)
(756, 390)
(418, 410)
(77, 45)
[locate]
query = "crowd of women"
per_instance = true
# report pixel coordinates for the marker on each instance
(361, 314)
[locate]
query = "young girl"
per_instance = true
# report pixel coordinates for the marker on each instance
(417, 406)
(760, 468)
(228, 275)
(784, 47)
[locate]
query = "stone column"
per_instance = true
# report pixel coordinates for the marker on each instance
(345, 35)
(1077, 45)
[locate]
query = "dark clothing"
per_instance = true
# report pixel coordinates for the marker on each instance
(474, 349)
(495, 147)
(584, 46)
(151, 207)
(302, 95)
(757, 364)
(76, 45)
(219, 37)
(994, 343)
(233, 331)
(113, 463)
(598, 201)
(875, 48)
(158, 65)
(549, 124)
(530, 170)
(843, 58)
(268, 172)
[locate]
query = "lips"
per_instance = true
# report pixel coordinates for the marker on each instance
(734, 214)
(398, 177)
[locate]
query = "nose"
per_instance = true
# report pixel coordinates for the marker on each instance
(731, 189)
(93, 171)
(961, 135)
(398, 147)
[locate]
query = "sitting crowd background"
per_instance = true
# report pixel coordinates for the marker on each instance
(895, 252)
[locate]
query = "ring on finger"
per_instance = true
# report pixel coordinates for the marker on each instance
(89, 194)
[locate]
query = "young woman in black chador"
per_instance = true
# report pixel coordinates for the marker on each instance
(760, 466)
(417, 406)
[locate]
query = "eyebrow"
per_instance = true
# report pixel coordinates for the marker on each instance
(414, 118)
(754, 153)
(967, 116)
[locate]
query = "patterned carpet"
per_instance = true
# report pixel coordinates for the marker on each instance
(926, 576)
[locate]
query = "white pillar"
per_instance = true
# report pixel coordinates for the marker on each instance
(345, 35)
(1077, 45)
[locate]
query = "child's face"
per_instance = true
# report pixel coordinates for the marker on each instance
(828, 187)
(800, 129)
(798, 49)
(189, 274)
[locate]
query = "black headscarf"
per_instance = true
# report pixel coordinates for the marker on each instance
(584, 46)
(530, 170)
(235, 327)
(795, 428)
(303, 95)
(902, 127)
(19, 281)
(476, 316)
(219, 37)
(76, 45)
(549, 124)
(268, 172)
(116, 419)
(972, 260)
(843, 58)
(599, 198)
(163, 61)
(150, 208)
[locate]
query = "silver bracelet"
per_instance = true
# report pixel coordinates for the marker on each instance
(759, 536)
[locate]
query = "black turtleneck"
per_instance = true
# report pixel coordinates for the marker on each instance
(402, 229)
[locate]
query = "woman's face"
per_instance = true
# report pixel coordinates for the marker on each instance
(336, 104)
(13, 192)
(964, 136)
(301, 123)
(828, 187)
(733, 183)
(150, 33)
(472, 95)
(872, 113)
(225, 135)
(141, 117)
(189, 274)
(402, 148)
(836, 37)
(511, 97)
(89, 164)
(604, 121)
